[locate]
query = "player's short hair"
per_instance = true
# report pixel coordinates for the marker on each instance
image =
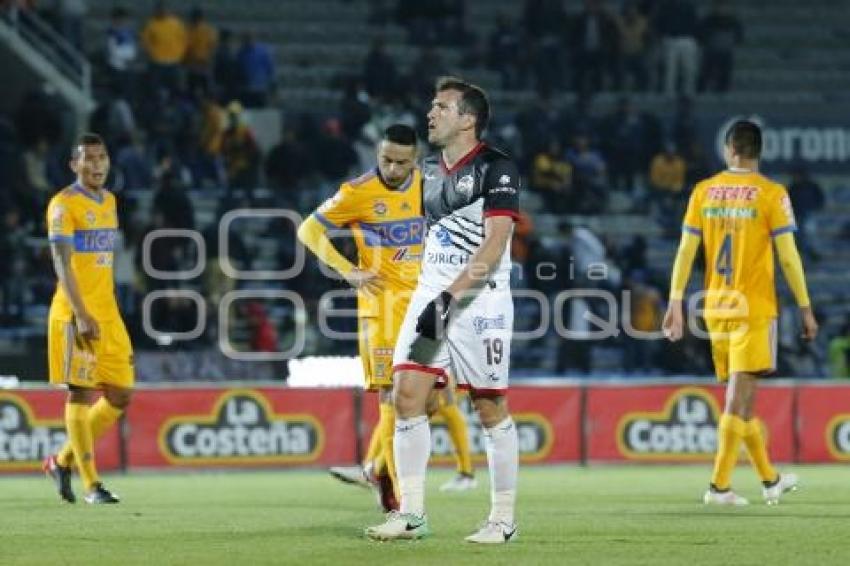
(88, 138)
(745, 138)
(402, 134)
(473, 100)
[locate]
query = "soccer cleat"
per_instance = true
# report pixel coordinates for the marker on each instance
(100, 495)
(400, 526)
(61, 476)
(461, 482)
(785, 483)
(728, 497)
(494, 532)
(355, 475)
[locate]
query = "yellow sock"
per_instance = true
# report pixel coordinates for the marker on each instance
(101, 416)
(386, 424)
(82, 443)
(374, 444)
(757, 449)
(460, 437)
(730, 432)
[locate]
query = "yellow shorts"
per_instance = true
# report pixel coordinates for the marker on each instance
(107, 360)
(377, 337)
(747, 346)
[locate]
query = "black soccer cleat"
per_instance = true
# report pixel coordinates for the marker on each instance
(100, 495)
(61, 476)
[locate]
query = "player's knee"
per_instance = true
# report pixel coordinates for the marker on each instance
(118, 397)
(79, 395)
(406, 400)
(491, 410)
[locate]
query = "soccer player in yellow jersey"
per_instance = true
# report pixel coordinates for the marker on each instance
(737, 214)
(384, 209)
(88, 346)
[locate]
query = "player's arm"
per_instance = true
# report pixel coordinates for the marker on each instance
(62, 252)
(674, 323)
(313, 234)
(497, 234)
(792, 269)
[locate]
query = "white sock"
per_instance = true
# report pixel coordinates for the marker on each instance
(412, 448)
(503, 461)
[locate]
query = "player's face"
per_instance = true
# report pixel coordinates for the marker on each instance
(91, 165)
(395, 162)
(444, 120)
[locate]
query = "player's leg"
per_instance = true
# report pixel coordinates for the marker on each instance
(754, 352)
(412, 446)
(445, 405)
(386, 424)
(730, 429)
(502, 445)
(115, 376)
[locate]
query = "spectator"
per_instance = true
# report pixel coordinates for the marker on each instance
(539, 123)
(354, 110)
(720, 32)
(551, 176)
(263, 333)
(209, 167)
(13, 268)
(379, 71)
(68, 16)
(634, 42)
(644, 317)
(626, 136)
(677, 26)
(200, 51)
(589, 172)
(133, 163)
(839, 353)
(667, 181)
(338, 157)
(170, 202)
(257, 69)
(240, 151)
(595, 41)
(227, 73)
(806, 198)
(287, 165)
(121, 52)
(505, 46)
(165, 40)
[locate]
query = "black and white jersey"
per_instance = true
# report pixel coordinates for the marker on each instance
(456, 201)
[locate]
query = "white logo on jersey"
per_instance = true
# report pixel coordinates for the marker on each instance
(504, 179)
(465, 184)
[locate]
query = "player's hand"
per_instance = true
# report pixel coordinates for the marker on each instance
(87, 327)
(365, 281)
(810, 325)
(673, 325)
(434, 318)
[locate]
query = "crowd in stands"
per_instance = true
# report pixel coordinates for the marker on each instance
(174, 93)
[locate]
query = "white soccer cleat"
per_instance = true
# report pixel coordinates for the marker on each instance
(494, 532)
(400, 526)
(460, 482)
(728, 497)
(785, 484)
(351, 474)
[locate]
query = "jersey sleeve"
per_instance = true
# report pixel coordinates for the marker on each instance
(693, 219)
(780, 213)
(340, 210)
(60, 223)
(500, 189)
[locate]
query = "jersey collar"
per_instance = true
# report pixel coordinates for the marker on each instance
(98, 198)
(463, 160)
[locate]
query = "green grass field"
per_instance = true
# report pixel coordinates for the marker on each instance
(598, 515)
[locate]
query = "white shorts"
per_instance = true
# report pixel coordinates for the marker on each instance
(477, 348)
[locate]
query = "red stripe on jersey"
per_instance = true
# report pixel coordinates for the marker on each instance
(502, 212)
(484, 391)
(463, 160)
